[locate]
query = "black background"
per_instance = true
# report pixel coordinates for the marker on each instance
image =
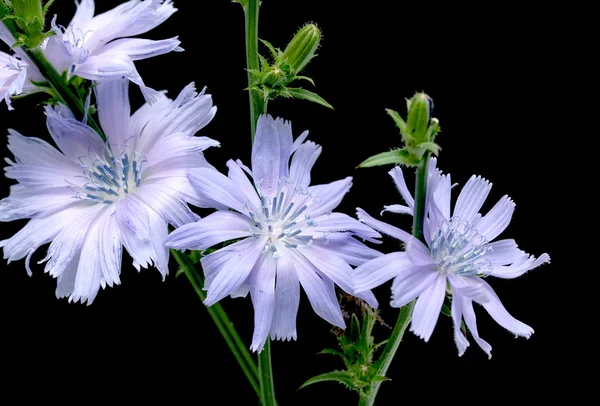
(487, 70)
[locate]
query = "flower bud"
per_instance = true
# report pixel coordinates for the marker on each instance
(26, 21)
(27, 11)
(419, 113)
(302, 47)
(274, 76)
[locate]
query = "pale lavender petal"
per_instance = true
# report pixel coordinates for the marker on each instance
(214, 262)
(110, 250)
(331, 265)
(142, 252)
(459, 338)
(471, 322)
(321, 294)
(525, 263)
(137, 48)
(286, 139)
(74, 138)
(398, 177)
(302, 162)
(418, 253)
(440, 196)
(330, 196)
(471, 198)
(266, 156)
(167, 202)
(83, 14)
(133, 215)
(299, 141)
(339, 222)
(428, 307)
(112, 98)
(287, 300)
(211, 230)
(368, 297)
(65, 282)
(349, 249)
(495, 308)
(241, 181)
(379, 270)
(107, 66)
(24, 202)
(217, 190)
(383, 227)
(497, 219)
(397, 208)
(233, 273)
(411, 282)
(262, 292)
(159, 230)
(504, 252)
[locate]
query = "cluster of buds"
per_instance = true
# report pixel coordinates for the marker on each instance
(273, 79)
(25, 20)
(418, 134)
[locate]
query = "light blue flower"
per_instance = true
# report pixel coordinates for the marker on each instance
(458, 253)
(91, 198)
(288, 235)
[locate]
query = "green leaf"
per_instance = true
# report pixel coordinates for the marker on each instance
(330, 351)
(430, 146)
(300, 93)
(339, 376)
(274, 51)
(305, 78)
(395, 157)
(379, 378)
(446, 310)
(400, 123)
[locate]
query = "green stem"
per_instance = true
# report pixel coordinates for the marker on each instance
(223, 323)
(258, 106)
(257, 102)
(267, 388)
(405, 313)
(61, 88)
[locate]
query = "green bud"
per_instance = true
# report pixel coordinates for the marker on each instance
(419, 113)
(27, 11)
(273, 76)
(26, 20)
(302, 47)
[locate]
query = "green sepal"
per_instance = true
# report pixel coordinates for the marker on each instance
(275, 52)
(379, 378)
(342, 377)
(331, 352)
(430, 146)
(394, 157)
(299, 93)
(400, 123)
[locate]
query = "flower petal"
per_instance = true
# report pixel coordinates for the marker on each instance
(495, 308)
(459, 338)
(110, 250)
(213, 263)
(83, 15)
(471, 198)
(410, 283)
(428, 307)
(330, 195)
(262, 292)
(302, 162)
(137, 48)
(504, 252)
(382, 227)
(112, 98)
(65, 283)
(132, 215)
(398, 177)
(74, 138)
(287, 300)
(471, 322)
(167, 202)
(339, 222)
(497, 219)
(525, 263)
(331, 265)
(418, 253)
(379, 270)
(217, 190)
(349, 249)
(266, 156)
(24, 202)
(233, 273)
(106, 66)
(213, 229)
(320, 292)
(242, 183)
(397, 208)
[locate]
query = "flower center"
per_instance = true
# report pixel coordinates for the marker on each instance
(282, 217)
(107, 177)
(460, 249)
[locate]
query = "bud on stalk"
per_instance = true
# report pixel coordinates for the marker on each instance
(302, 47)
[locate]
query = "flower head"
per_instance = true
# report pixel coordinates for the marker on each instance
(97, 47)
(91, 198)
(458, 253)
(288, 235)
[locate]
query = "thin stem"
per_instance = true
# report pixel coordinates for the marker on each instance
(225, 326)
(267, 388)
(61, 88)
(257, 103)
(405, 313)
